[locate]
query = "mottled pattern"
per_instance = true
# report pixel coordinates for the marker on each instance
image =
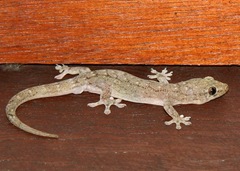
(113, 86)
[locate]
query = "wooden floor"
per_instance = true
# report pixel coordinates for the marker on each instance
(132, 138)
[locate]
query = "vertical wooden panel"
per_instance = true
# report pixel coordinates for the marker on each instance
(120, 32)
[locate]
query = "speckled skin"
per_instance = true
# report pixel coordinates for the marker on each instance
(113, 86)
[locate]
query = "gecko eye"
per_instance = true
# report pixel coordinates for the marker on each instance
(212, 90)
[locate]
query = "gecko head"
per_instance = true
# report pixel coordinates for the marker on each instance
(202, 90)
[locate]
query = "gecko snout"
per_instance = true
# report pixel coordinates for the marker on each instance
(226, 87)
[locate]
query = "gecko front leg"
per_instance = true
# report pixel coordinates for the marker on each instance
(175, 117)
(108, 101)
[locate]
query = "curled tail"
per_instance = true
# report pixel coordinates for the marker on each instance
(47, 90)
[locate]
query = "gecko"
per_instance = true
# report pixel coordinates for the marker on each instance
(113, 86)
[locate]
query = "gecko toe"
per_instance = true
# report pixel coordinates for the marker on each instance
(169, 122)
(187, 123)
(107, 111)
(185, 118)
(93, 104)
(178, 121)
(178, 126)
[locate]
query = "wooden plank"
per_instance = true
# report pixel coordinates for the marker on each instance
(120, 32)
(131, 138)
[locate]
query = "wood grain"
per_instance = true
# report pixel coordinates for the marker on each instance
(120, 32)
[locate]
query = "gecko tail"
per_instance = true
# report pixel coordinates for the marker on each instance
(36, 92)
(18, 123)
(11, 108)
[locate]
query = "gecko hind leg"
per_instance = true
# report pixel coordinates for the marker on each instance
(108, 103)
(64, 70)
(163, 77)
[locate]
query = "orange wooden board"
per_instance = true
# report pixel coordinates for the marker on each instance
(120, 32)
